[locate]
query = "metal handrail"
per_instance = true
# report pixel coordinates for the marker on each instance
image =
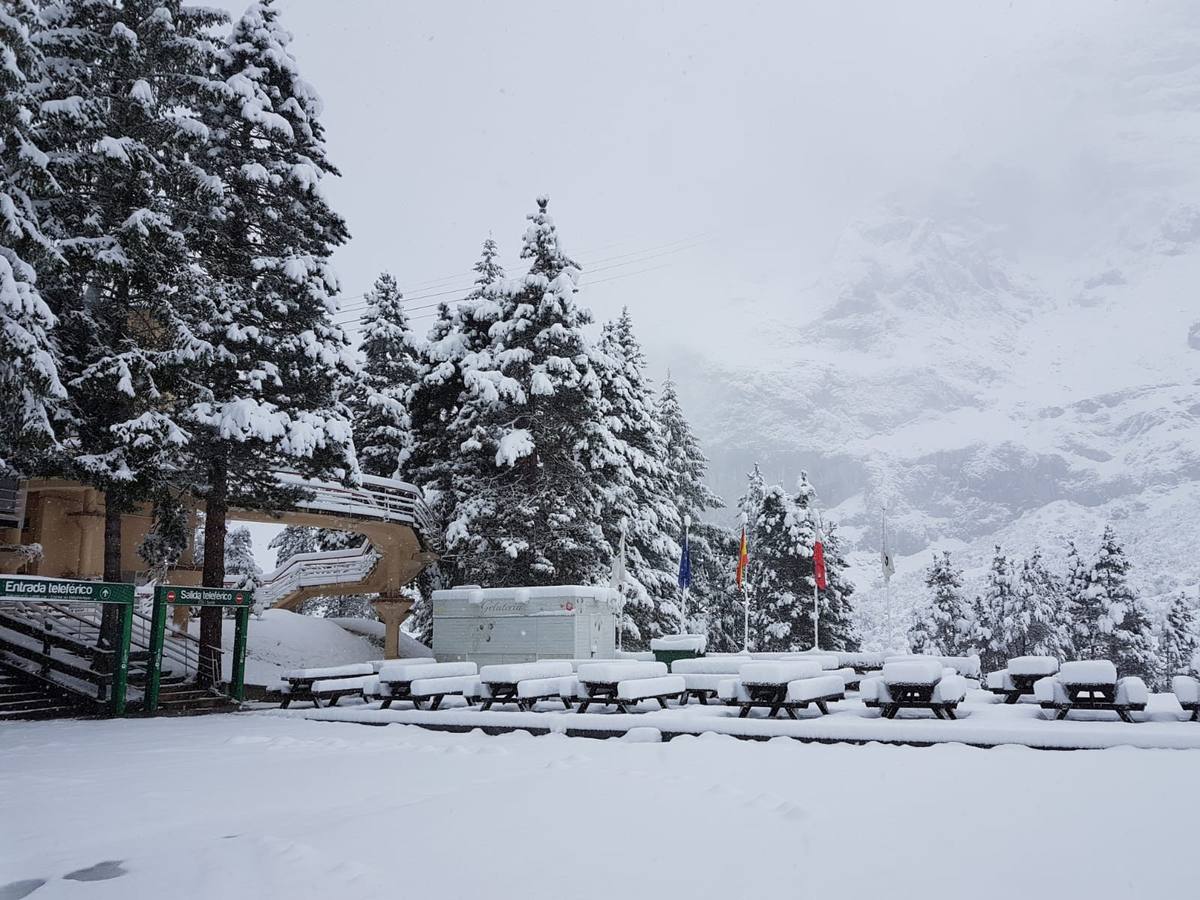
(385, 499)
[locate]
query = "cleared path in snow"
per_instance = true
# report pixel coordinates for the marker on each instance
(251, 806)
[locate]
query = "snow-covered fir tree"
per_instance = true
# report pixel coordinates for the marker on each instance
(457, 343)
(532, 515)
(1179, 639)
(780, 581)
(1127, 639)
(121, 127)
(713, 596)
(750, 503)
(30, 388)
(628, 459)
(944, 625)
(1082, 611)
(379, 400)
(168, 537)
(271, 364)
(999, 596)
(782, 578)
(239, 557)
(836, 625)
(1033, 624)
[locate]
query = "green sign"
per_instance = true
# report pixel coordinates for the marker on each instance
(59, 590)
(177, 595)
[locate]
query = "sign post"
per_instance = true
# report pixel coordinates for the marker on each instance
(62, 590)
(179, 595)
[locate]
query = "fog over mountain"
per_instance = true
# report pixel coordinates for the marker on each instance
(941, 255)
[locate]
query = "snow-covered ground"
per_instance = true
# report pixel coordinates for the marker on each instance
(280, 641)
(252, 806)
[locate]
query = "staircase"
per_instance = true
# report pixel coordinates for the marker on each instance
(304, 571)
(51, 648)
(24, 695)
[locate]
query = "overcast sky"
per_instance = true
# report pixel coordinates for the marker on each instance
(714, 149)
(702, 158)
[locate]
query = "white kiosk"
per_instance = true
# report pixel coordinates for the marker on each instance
(508, 625)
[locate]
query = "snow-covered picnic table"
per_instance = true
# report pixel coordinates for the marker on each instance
(1018, 678)
(525, 684)
(624, 683)
(914, 684)
(1091, 685)
(785, 685)
(417, 680)
(328, 682)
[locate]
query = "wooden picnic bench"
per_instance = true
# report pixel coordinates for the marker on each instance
(916, 696)
(1022, 686)
(1092, 697)
(300, 684)
(775, 698)
(508, 692)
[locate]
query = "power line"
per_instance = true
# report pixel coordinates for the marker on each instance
(642, 256)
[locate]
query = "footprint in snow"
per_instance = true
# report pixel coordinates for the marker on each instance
(15, 890)
(101, 871)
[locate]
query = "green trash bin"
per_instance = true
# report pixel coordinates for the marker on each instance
(677, 646)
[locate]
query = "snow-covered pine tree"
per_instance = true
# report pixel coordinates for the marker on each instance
(1083, 610)
(781, 581)
(1178, 640)
(168, 538)
(270, 365)
(378, 402)
(239, 557)
(1127, 638)
(534, 519)
(120, 127)
(458, 343)
(998, 597)
(750, 503)
(943, 627)
(30, 389)
(628, 457)
(1033, 624)
(713, 594)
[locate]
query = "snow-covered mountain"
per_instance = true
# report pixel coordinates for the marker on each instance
(1011, 356)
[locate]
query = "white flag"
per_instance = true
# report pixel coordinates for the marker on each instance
(885, 555)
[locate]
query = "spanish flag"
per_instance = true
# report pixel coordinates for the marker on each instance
(743, 559)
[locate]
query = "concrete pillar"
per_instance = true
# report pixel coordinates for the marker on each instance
(393, 610)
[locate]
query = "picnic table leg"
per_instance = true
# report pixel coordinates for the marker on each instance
(566, 702)
(951, 713)
(333, 700)
(1196, 714)
(823, 707)
(1012, 697)
(1125, 717)
(316, 701)
(287, 699)
(791, 712)
(662, 701)
(891, 710)
(1062, 712)
(704, 699)
(583, 705)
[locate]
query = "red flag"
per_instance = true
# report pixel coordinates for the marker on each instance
(819, 565)
(743, 559)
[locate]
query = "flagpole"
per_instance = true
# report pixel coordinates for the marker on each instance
(887, 581)
(687, 528)
(816, 590)
(746, 620)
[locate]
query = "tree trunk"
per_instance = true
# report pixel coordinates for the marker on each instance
(211, 617)
(110, 614)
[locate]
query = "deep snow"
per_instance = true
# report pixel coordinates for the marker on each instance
(252, 806)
